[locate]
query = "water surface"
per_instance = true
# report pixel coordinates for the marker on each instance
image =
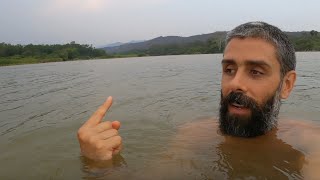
(43, 105)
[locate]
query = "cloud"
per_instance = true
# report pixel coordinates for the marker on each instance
(80, 6)
(76, 6)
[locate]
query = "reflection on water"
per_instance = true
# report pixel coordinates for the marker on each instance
(43, 105)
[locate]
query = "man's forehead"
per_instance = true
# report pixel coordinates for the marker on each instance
(249, 50)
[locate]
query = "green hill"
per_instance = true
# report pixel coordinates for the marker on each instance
(203, 44)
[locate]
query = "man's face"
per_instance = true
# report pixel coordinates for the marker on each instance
(250, 87)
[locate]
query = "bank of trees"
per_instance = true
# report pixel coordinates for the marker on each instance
(70, 51)
(24, 54)
(305, 41)
(197, 47)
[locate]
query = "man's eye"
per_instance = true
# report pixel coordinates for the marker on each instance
(256, 73)
(230, 71)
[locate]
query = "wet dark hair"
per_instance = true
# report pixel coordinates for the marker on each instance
(285, 52)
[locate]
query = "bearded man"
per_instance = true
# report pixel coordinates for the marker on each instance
(258, 71)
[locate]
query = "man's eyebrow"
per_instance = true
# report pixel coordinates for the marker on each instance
(228, 61)
(247, 62)
(257, 63)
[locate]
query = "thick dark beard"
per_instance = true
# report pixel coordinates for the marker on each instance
(262, 119)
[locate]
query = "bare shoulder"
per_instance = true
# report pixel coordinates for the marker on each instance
(197, 134)
(299, 124)
(299, 133)
(298, 128)
(304, 136)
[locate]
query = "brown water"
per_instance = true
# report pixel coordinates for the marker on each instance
(155, 98)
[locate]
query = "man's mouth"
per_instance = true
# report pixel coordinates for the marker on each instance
(237, 105)
(238, 109)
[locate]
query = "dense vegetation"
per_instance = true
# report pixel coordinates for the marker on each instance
(19, 54)
(25, 54)
(198, 47)
(306, 41)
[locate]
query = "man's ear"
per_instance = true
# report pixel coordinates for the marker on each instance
(288, 84)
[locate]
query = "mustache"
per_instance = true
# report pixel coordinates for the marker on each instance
(241, 99)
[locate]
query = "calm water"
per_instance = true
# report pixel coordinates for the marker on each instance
(43, 105)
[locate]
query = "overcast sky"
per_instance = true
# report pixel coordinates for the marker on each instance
(101, 22)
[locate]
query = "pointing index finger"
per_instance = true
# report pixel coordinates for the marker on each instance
(97, 116)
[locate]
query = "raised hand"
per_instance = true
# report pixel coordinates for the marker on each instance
(100, 140)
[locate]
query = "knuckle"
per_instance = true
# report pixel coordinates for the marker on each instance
(114, 132)
(98, 145)
(92, 140)
(119, 139)
(107, 123)
(82, 135)
(108, 156)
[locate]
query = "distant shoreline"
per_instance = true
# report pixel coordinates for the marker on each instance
(25, 61)
(161, 46)
(34, 54)
(22, 61)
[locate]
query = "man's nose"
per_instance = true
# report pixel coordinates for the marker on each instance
(239, 82)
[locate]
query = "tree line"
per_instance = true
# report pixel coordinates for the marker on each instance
(308, 41)
(20, 54)
(25, 54)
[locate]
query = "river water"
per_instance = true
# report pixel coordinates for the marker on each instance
(43, 105)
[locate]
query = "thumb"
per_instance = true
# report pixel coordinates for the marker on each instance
(116, 125)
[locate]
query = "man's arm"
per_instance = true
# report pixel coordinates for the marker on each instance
(100, 140)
